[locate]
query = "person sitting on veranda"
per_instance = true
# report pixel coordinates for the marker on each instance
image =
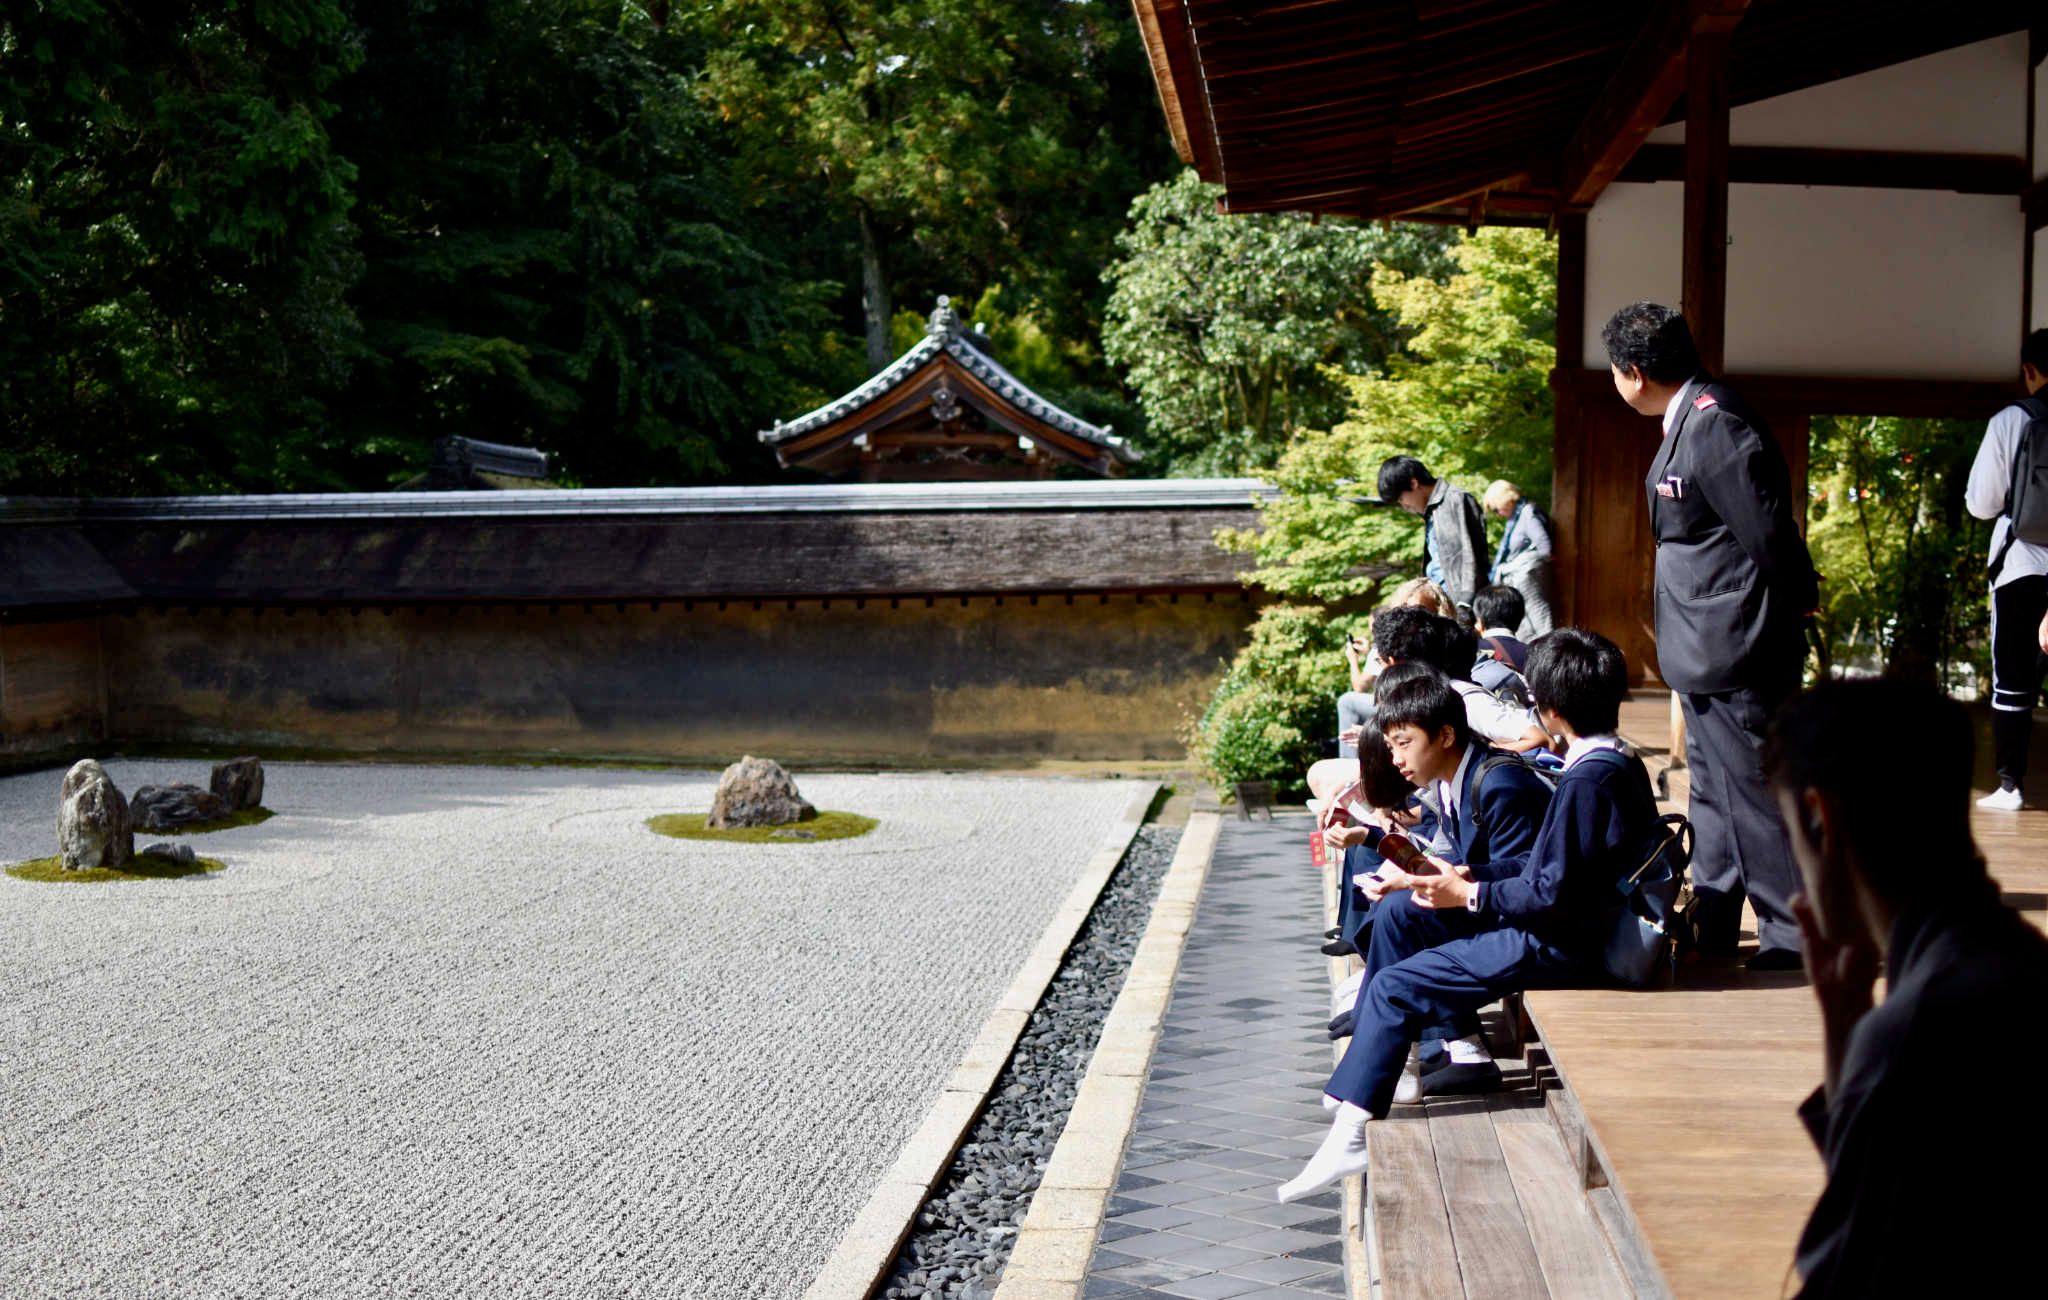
(1892, 879)
(1407, 634)
(1382, 799)
(1539, 923)
(1490, 805)
(1523, 560)
(1354, 707)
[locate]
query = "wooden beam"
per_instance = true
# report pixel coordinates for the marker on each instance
(1639, 94)
(1879, 169)
(2034, 202)
(1571, 290)
(1705, 300)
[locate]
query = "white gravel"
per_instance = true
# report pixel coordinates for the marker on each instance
(476, 1032)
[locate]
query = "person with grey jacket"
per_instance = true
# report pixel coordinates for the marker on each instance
(1453, 532)
(1523, 558)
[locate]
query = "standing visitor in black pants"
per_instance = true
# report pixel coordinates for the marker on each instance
(1734, 587)
(2019, 580)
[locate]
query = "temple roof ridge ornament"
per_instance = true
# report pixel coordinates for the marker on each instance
(944, 376)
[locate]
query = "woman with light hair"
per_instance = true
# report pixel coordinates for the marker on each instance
(1523, 560)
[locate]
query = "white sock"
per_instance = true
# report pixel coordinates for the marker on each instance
(1341, 1155)
(1467, 1050)
(1331, 1103)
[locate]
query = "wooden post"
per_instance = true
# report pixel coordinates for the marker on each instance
(1706, 194)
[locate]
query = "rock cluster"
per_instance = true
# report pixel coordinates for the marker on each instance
(965, 1231)
(93, 824)
(756, 792)
(237, 784)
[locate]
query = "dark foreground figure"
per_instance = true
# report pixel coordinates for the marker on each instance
(1933, 1161)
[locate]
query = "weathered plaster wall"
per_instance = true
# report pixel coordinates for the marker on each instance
(50, 688)
(877, 681)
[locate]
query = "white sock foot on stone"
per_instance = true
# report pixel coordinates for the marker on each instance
(1341, 1155)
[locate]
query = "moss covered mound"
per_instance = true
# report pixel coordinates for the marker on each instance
(246, 817)
(143, 866)
(825, 826)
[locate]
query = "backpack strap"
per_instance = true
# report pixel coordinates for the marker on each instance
(1491, 763)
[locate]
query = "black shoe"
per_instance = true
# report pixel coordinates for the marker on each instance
(1339, 948)
(1452, 1079)
(1432, 1055)
(1769, 959)
(1341, 1026)
(1333, 932)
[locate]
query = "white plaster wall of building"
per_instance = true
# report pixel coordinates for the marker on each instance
(1841, 281)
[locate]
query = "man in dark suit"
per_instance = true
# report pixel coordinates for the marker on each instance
(1734, 587)
(1907, 891)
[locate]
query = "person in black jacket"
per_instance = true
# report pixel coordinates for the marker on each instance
(1734, 588)
(1909, 892)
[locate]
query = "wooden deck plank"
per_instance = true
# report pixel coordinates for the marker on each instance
(1496, 1257)
(1569, 1243)
(1411, 1228)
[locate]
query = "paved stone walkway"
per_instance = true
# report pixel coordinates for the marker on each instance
(1233, 1106)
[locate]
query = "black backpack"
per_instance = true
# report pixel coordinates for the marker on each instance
(2026, 500)
(1550, 776)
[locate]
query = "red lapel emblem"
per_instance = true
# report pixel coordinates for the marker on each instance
(1664, 490)
(1703, 401)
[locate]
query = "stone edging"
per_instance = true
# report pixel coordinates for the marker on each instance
(1050, 1260)
(868, 1249)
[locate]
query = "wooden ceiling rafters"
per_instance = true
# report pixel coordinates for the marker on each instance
(1439, 109)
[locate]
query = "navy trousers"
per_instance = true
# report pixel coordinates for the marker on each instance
(1740, 845)
(1431, 987)
(1401, 931)
(1354, 914)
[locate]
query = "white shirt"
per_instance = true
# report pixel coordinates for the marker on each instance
(1585, 745)
(1671, 407)
(1447, 791)
(1491, 718)
(1990, 481)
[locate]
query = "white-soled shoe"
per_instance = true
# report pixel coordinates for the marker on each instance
(1341, 1155)
(1408, 1091)
(2003, 801)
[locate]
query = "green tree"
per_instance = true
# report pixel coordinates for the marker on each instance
(1470, 396)
(1237, 330)
(174, 241)
(975, 141)
(1887, 526)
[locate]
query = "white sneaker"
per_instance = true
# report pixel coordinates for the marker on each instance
(2002, 801)
(1408, 1090)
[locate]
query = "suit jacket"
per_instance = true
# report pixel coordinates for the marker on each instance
(1498, 818)
(1961, 1015)
(1734, 580)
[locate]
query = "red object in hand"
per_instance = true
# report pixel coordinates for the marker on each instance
(1401, 851)
(1318, 850)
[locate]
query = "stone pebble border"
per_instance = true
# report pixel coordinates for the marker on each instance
(868, 1250)
(967, 1227)
(1057, 1239)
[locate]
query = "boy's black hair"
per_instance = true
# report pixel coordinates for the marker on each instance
(1499, 605)
(2033, 352)
(1417, 695)
(1581, 676)
(1653, 339)
(1408, 634)
(1399, 473)
(1381, 784)
(1833, 739)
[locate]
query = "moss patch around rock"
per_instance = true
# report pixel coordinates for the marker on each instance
(825, 826)
(246, 817)
(143, 866)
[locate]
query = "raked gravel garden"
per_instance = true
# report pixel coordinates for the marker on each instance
(478, 1031)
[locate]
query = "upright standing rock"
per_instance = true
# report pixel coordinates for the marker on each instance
(756, 792)
(239, 782)
(93, 827)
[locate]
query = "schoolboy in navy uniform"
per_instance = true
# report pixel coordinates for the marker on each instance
(1906, 1131)
(1539, 926)
(1493, 805)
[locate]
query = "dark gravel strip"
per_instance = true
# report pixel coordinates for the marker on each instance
(965, 1231)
